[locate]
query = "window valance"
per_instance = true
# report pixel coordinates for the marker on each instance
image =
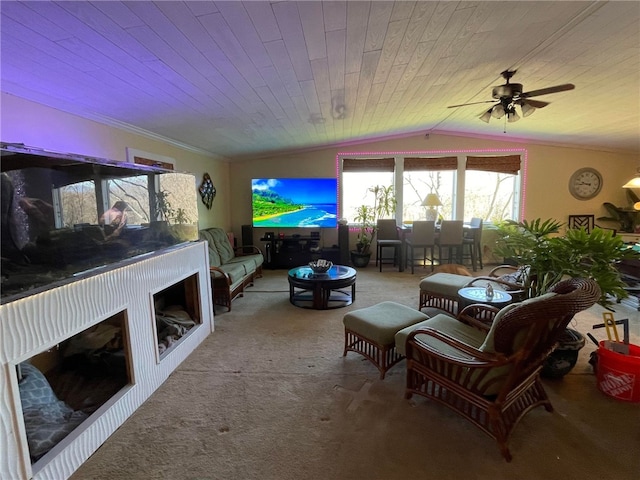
(509, 164)
(436, 163)
(368, 164)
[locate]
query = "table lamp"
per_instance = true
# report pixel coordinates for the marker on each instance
(432, 201)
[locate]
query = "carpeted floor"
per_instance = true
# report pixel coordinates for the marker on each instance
(269, 396)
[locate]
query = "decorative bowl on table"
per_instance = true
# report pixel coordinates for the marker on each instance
(320, 266)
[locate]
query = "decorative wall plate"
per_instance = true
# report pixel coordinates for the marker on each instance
(207, 191)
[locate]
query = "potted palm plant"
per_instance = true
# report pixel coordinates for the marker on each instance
(550, 256)
(384, 205)
(627, 217)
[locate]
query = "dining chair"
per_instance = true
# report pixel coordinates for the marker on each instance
(473, 240)
(450, 237)
(423, 237)
(388, 236)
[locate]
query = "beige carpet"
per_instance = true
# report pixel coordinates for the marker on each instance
(269, 396)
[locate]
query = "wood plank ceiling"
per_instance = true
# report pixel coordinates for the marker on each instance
(245, 79)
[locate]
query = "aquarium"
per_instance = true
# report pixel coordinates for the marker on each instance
(294, 202)
(65, 215)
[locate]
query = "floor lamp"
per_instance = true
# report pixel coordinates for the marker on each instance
(432, 202)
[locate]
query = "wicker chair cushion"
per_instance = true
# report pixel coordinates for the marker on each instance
(236, 271)
(446, 284)
(519, 338)
(492, 381)
(223, 245)
(379, 323)
(214, 257)
(249, 267)
(518, 277)
(447, 324)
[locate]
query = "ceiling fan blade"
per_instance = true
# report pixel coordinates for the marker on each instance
(473, 103)
(545, 91)
(536, 103)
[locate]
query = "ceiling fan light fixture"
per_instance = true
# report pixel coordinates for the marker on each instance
(486, 116)
(527, 109)
(497, 111)
(510, 96)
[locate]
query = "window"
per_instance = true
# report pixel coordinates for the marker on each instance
(134, 191)
(358, 175)
(77, 204)
(420, 183)
(491, 187)
(490, 196)
(484, 185)
(182, 208)
(424, 175)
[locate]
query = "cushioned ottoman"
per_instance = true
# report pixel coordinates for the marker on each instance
(371, 332)
(440, 290)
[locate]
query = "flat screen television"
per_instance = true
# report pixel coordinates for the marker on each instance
(294, 202)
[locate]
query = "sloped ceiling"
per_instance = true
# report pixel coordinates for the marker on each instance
(246, 79)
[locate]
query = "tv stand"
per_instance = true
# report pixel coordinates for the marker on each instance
(289, 251)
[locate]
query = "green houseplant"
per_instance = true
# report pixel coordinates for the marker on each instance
(550, 256)
(384, 205)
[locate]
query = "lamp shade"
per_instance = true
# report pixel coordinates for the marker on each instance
(431, 200)
(527, 109)
(486, 116)
(513, 117)
(633, 183)
(497, 111)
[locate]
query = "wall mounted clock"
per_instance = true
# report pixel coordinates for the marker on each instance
(585, 183)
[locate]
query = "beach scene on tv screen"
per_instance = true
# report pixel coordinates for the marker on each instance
(294, 202)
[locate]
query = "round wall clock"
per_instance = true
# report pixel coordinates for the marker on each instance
(585, 183)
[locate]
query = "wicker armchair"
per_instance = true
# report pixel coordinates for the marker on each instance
(492, 377)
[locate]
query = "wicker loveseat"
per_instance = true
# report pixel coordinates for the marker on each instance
(231, 269)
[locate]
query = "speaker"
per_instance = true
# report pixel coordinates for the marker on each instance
(247, 235)
(343, 243)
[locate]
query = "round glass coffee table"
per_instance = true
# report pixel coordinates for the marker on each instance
(322, 291)
(469, 295)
